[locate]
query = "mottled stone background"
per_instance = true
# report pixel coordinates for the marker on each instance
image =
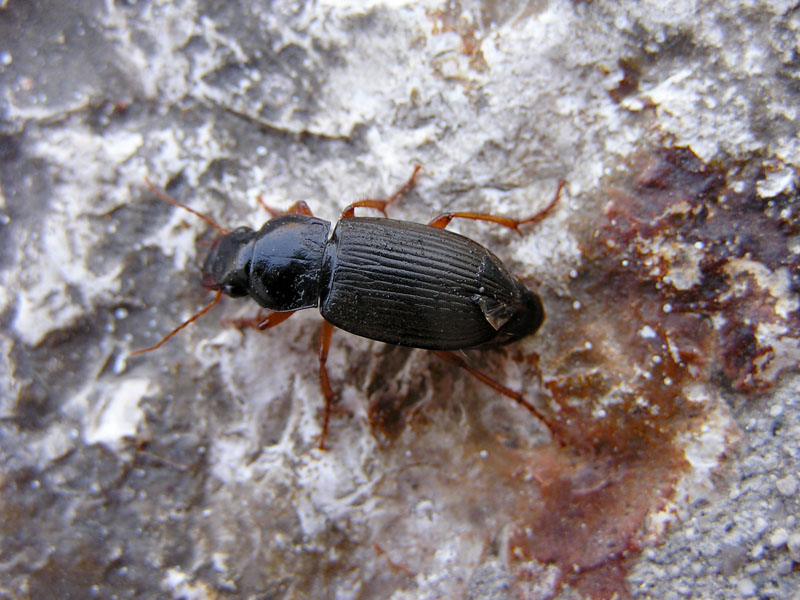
(669, 271)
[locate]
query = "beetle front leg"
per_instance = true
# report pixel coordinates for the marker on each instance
(443, 220)
(381, 203)
(298, 208)
(324, 382)
(183, 325)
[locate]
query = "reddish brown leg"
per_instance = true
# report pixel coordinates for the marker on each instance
(298, 208)
(381, 203)
(453, 358)
(443, 220)
(275, 318)
(324, 382)
(186, 323)
(169, 199)
(261, 321)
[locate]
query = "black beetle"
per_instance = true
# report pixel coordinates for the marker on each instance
(397, 282)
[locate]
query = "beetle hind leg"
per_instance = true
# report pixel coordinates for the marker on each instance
(455, 359)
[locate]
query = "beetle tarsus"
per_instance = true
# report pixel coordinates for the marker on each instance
(183, 325)
(457, 360)
(170, 200)
(547, 209)
(444, 219)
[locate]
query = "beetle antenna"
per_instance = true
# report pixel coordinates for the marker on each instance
(186, 323)
(167, 198)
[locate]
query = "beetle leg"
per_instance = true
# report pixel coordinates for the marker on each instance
(300, 207)
(324, 382)
(260, 322)
(186, 323)
(443, 220)
(381, 203)
(167, 198)
(455, 359)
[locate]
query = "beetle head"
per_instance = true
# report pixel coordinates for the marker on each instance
(227, 265)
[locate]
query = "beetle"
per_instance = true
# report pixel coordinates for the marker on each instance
(397, 282)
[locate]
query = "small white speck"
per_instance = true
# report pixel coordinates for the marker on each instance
(656, 359)
(778, 538)
(588, 345)
(483, 454)
(576, 305)
(776, 410)
(5, 219)
(261, 151)
(757, 552)
(787, 486)
(699, 245)
(667, 381)
(121, 313)
(625, 262)
(746, 587)
(35, 484)
(6, 58)
(573, 273)
(760, 525)
(647, 332)
(793, 543)
(667, 308)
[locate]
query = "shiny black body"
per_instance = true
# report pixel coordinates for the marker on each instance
(393, 281)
